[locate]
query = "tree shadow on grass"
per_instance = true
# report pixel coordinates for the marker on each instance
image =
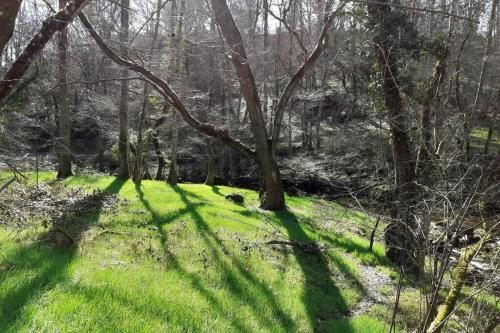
(216, 190)
(321, 296)
(242, 284)
(37, 268)
(351, 246)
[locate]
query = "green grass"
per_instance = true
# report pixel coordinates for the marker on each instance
(185, 259)
(479, 136)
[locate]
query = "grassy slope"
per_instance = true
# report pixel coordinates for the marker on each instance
(183, 259)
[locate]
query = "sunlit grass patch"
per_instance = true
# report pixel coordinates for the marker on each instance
(185, 259)
(479, 137)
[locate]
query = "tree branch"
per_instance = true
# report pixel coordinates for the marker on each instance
(299, 74)
(50, 26)
(166, 91)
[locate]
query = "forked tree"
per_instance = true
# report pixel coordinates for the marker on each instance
(265, 144)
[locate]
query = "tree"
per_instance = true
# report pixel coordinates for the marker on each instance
(63, 119)
(273, 199)
(123, 138)
(400, 234)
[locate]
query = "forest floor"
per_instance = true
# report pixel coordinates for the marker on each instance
(161, 258)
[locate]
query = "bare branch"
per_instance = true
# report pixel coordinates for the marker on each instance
(166, 91)
(49, 27)
(299, 74)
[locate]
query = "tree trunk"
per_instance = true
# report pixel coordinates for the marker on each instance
(173, 171)
(401, 245)
(63, 120)
(318, 125)
(210, 180)
(274, 198)
(175, 67)
(123, 139)
(154, 135)
(8, 15)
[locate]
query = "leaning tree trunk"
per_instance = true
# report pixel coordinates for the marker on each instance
(274, 197)
(402, 247)
(123, 138)
(63, 119)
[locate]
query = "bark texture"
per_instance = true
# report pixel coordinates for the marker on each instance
(458, 276)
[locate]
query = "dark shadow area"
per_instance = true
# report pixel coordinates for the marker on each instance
(38, 267)
(116, 185)
(216, 190)
(35, 269)
(350, 246)
(239, 280)
(321, 297)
